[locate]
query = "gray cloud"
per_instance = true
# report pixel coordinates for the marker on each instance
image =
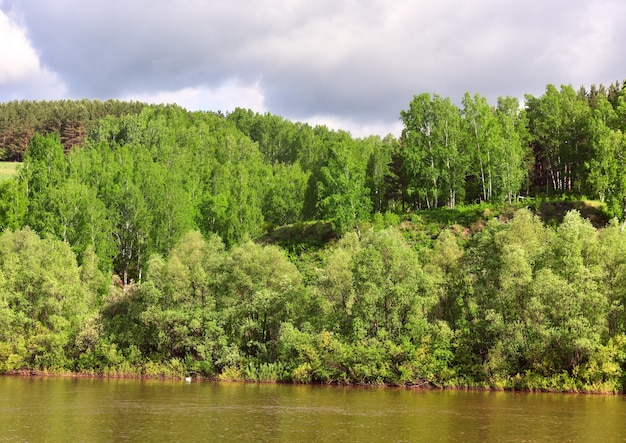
(349, 60)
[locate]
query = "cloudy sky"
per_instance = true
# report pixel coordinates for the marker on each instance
(344, 63)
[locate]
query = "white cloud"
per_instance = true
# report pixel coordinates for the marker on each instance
(17, 57)
(342, 61)
(225, 97)
(21, 74)
(357, 129)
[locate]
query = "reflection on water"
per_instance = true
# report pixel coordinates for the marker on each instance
(92, 410)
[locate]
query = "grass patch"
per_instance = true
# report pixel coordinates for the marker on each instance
(422, 227)
(300, 237)
(8, 170)
(552, 212)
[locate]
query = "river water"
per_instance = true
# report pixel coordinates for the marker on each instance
(93, 410)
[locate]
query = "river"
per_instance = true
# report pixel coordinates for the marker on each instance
(53, 409)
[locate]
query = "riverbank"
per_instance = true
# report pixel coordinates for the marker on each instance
(541, 386)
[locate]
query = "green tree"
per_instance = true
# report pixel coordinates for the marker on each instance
(258, 290)
(433, 155)
(607, 176)
(513, 141)
(377, 172)
(42, 302)
(43, 170)
(480, 131)
(505, 259)
(398, 179)
(559, 123)
(342, 195)
(13, 204)
(285, 191)
(433, 152)
(451, 280)
(449, 137)
(178, 302)
(232, 199)
(391, 290)
(81, 219)
(334, 287)
(612, 253)
(422, 160)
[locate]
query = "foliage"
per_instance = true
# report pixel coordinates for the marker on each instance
(342, 195)
(42, 302)
(71, 119)
(138, 251)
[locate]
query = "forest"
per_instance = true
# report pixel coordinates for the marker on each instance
(147, 240)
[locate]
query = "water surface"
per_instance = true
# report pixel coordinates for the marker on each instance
(94, 410)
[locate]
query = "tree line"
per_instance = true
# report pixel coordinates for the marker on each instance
(71, 119)
(564, 142)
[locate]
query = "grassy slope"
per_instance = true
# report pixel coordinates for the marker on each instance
(552, 212)
(422, 227)
(8, 170)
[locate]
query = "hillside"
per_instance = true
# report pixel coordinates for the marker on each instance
(472, 260)
(8, 170)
